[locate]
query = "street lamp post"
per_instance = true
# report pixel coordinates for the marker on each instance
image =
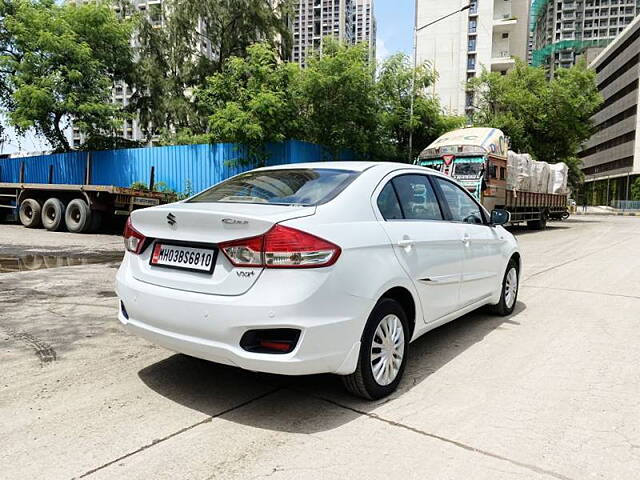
(416, 29)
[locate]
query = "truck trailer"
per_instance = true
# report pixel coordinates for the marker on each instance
(78, 208)
(480, 159)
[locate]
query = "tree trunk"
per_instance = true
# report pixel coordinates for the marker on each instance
(58, 134)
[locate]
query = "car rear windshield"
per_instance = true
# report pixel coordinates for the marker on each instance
(303, 186)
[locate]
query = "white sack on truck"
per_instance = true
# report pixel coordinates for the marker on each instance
(518, 171)
(526, 171)
(558, 176)
(540, 177)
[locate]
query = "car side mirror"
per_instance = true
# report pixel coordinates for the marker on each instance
(500, 217)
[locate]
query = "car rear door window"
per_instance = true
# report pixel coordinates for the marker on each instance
(417, 199)
(462, 207)
(388, 203)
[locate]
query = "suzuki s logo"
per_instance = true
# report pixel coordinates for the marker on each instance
(233, 221)
(171, 219)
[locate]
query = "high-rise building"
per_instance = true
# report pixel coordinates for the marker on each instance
(565, 30)
(611, 157)
(364, 25)
(350, 21)
(490, 34)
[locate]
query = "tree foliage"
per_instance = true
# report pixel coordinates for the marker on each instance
(337, 95)
(195, 40)
(336, 101)
(549, 119)
(252, 101)
(635, 190)
(59, 62)
(396, 79)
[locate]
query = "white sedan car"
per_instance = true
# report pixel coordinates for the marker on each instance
(313, 268)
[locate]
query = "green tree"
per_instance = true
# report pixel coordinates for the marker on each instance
(338, 99)
(394, 85)
(252, 101)
(58, 62)
(549, 119)
(635, 190)
(195, 41)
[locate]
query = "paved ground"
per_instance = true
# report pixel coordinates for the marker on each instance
(551, 392)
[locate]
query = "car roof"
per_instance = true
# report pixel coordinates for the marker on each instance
(383, 167)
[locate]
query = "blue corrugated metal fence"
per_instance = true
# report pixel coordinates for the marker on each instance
(199, 165)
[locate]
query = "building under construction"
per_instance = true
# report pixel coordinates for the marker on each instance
(565, 30)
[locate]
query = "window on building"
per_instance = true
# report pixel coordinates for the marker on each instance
(471, 62)
(472, 44)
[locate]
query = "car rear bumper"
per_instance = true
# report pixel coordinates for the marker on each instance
(211, 326)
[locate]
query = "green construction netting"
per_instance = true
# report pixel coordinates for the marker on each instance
(540, 56)
(537, 7)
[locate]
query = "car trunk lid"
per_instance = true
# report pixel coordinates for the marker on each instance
(204, 226)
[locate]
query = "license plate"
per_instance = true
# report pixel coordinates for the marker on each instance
(145, 201)
(184, 257)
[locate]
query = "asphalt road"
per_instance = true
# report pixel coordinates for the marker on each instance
(551, 392)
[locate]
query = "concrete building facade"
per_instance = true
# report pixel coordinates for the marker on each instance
(490, 34)
(611, 157)
(565, 30)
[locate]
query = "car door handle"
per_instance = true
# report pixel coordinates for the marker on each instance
(406, 242)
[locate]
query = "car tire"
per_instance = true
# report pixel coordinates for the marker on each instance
(30, 213)
(509, 293)
(53, 214)
(373, 379)
(78, 216)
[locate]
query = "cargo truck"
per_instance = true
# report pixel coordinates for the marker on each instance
(480, 159)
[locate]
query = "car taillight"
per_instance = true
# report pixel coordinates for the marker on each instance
(133, 239)
(244, 253)
(281, 247)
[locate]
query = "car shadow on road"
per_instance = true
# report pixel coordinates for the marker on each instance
(312, 403)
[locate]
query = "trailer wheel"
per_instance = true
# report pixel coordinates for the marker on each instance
(78, 216)
(30, 211)
(53, 214)
(539, 224)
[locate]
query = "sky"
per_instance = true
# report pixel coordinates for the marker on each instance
(395, 24)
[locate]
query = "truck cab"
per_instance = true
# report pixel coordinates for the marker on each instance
(475, 157)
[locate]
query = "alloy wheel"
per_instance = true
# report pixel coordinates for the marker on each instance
(511, 287)
(387, 350)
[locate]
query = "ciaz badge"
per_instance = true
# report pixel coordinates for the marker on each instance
(233, 221)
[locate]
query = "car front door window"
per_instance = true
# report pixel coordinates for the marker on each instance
(461, 206)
